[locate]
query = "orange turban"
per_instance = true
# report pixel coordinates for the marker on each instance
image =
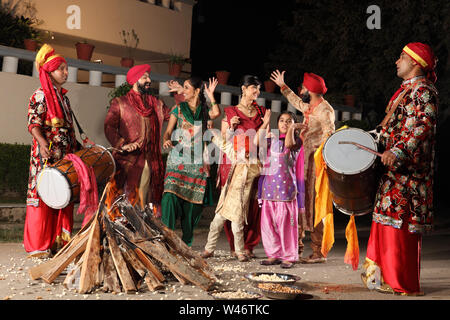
(46, 62)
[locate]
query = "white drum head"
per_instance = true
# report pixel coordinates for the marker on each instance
(53, 188)
(347, 158)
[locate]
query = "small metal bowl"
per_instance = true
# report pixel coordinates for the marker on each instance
(273, 294)
(284, 278)
(254, 295)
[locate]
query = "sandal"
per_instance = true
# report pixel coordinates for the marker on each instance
(242, 257)
(205, 254)
(270, 262)
(249, 254)
(286, 265)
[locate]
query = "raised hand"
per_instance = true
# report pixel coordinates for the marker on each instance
(278, 77)
(209, 89)
(175, 86)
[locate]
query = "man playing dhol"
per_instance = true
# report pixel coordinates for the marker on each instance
(404, 201)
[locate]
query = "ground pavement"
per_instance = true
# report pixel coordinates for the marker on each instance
(333, 280)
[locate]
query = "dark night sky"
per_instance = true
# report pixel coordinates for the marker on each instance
(234, 35)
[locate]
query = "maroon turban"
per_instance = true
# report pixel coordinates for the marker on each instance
(135, 73)
(314, 83)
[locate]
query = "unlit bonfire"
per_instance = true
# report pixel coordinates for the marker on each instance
(123, 248)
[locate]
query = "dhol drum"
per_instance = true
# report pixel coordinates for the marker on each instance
(58, 184)
(352, 171)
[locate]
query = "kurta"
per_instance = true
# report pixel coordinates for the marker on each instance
(405, 194)
(404, 200)
(186, 176)
(124, 125)
(252, 230)
(320, 125)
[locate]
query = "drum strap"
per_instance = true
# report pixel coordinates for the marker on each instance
(83, 135)
(392, 106)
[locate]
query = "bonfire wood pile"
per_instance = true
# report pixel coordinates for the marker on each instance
(120, 249)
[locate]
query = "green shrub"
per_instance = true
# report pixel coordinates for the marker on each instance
(14, 168)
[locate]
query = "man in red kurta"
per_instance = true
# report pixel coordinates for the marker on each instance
(51, 126)
(133, 127)
(404, 201)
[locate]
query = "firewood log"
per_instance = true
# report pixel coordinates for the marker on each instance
(91, 259)
(48, 271)
(72, 280)
(111, 281)
(119, 262)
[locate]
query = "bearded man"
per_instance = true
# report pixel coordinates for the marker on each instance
(133, 127)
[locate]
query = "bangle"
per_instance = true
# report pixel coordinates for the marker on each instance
(284, 87)
(213, 103)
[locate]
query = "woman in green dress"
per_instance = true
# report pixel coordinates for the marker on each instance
(187, 186)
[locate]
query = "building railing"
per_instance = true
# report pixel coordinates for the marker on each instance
(169, 4)
(228, 94)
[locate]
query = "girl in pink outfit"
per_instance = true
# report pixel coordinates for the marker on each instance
(278, 190)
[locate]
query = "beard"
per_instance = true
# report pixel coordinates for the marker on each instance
(306, 97)
(143, 89)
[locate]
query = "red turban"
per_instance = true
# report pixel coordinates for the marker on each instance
(314, 83)
(135, 73)
(47, 61)
(424, 56)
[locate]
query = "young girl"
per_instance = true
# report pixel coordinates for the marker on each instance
(278, 194)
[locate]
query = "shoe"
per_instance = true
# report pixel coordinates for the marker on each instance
(40, 255)
(286, 265)
(314, 258)
(249, 254)
(242, 257)
(233, 254)
(205, 254)
(270, 262)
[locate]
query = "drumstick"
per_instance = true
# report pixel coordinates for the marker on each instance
(45, 164)
(114, 149)
(361, 147)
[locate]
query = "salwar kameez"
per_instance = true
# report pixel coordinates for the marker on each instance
(187, 187)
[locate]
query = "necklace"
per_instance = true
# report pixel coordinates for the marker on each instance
(249, 108)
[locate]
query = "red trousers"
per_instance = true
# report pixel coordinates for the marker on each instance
(44, 226)
(397, 253)
(252, 230)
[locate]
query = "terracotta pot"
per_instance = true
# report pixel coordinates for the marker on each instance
(127, 62)
(30, 44)
(222, 76)
(175, 69)
(269, 86)
(84, 51)
(349, 100)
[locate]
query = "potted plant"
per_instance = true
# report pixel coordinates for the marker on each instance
(269, 86)
(84, 50)
(222, 76)
(29, 18)
(176, 63)
(131, 40)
